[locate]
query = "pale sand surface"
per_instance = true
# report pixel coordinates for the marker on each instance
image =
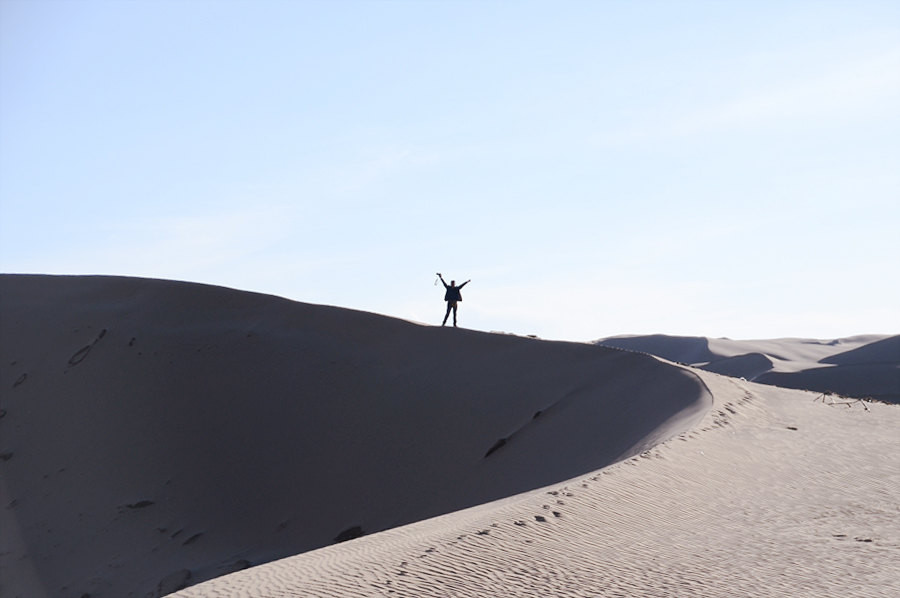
(772, 494)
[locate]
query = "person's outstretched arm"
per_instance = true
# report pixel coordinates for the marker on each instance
(443, 281)
(465, 283)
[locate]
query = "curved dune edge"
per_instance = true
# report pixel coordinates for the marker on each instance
(157, 434)
(772, 494)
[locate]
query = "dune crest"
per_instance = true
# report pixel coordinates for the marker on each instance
(156, 434)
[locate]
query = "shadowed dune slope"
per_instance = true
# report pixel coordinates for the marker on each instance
(771, 494)
(884, 351)
(864, 366)
(156, 434)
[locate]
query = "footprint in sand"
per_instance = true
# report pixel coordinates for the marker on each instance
(497, 445)
(82, 353)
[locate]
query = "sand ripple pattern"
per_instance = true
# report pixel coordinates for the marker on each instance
(771, 495)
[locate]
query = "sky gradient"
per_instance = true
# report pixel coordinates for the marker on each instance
(596, 168)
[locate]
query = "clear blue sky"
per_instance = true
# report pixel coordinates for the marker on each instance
(596, 168)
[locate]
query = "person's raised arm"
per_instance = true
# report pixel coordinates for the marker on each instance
(465, 283)
(442, 280)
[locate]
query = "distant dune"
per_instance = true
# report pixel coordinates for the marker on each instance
(157, 434)
(865, 366)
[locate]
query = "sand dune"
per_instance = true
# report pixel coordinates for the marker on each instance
(865, 366)
(772, 494)
(157, 434)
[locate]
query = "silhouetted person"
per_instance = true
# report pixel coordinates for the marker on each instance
(452, 297)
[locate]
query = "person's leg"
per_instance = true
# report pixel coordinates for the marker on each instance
(454, 315)
(447, 315)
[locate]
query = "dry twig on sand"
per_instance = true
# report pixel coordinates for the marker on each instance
(828, 399)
